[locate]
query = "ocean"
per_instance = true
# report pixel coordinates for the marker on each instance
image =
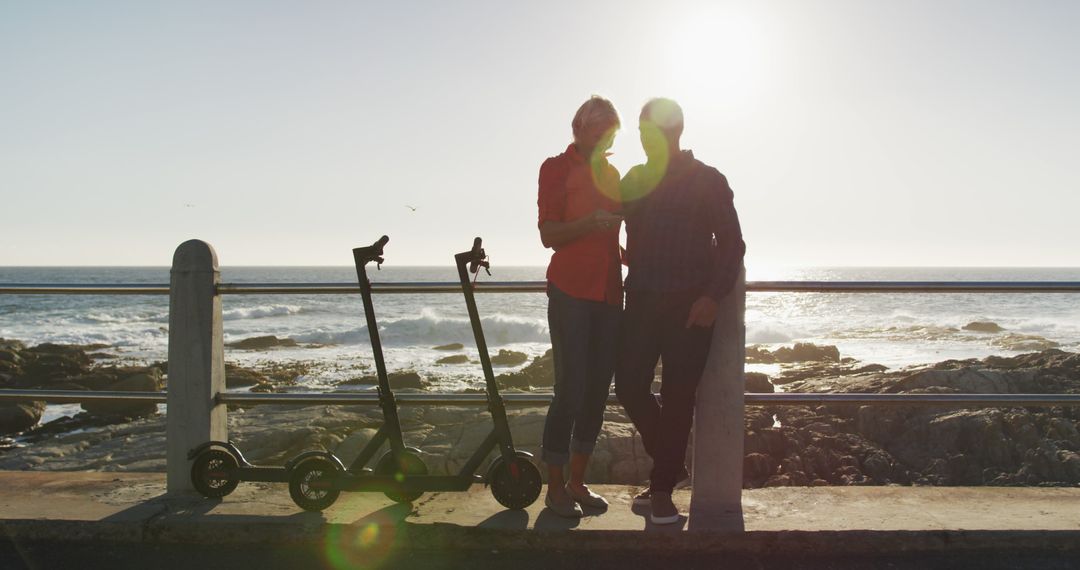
(895, 330)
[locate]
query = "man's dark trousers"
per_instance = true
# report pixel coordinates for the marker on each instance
(654, 325)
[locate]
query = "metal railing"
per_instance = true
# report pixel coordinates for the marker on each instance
(539, 399)
(542, 399)
(540, 287)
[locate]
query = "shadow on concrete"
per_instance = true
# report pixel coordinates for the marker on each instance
(165, 504)
(513, 520)
(391, 515)
(548, 520)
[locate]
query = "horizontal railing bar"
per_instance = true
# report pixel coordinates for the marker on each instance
(914, 286)
(540, 286)
(70, 289)
(783, 399)
(336, 398)
(78, 396)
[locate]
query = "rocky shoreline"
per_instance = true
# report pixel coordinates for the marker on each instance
(784, 445)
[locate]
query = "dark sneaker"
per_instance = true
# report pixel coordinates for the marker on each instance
(587, 498)
(663, 509)
(567, 507)
(644, 498)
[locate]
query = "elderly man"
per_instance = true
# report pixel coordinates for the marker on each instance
(684, 248)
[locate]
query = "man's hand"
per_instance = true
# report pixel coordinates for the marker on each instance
(702, 312)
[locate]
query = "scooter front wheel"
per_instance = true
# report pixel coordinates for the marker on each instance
(311, 484)
(213, 473)
(407, 464)
(515, 484)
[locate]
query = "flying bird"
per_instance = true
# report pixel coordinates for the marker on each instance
(413, 208)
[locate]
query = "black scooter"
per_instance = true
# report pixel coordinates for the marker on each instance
(219, 466)
(317, 481)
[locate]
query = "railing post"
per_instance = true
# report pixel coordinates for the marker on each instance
(196, 359)
(716, 502)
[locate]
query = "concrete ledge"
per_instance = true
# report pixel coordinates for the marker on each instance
(132, 508)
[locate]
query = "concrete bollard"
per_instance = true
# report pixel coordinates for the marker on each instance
(196, 359)
(716, 500)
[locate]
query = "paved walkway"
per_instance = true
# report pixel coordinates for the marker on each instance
(132, 508)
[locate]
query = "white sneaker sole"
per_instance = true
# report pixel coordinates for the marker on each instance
(664, 520)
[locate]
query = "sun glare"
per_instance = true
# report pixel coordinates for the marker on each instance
(718, 55)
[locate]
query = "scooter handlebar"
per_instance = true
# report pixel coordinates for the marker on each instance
(476, 257)
(373, 252)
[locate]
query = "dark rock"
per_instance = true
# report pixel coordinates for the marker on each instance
(539, 373)
(148, 380)
(757, 468)
(758, 355)
(405, 380)
(19, 416)
(238, 377)
(262, 343)
(12, 345)
(100, 379)
(983, 326)
(807, 352)
(509, 358)
(454, 359)
(10, 356)
(451, 346)
(758, 383)
(50, 363)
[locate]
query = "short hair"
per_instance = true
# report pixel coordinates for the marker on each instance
(666, 114)
(595, 109)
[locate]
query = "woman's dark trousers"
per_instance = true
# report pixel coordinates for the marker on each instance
(584, 337)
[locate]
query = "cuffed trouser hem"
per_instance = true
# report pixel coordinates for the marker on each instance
(585, 447)
(554, 457)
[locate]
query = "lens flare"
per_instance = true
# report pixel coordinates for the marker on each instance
(604, 178)
(643, 179)
(361, 546)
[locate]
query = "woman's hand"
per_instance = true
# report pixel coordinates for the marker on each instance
(558, 234)
(604, 220)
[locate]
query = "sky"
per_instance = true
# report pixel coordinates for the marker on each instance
(854, 133)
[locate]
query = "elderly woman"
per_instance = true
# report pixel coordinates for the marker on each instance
(579, 220)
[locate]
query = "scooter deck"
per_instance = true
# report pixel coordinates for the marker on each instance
(414, 483)
(262, 474)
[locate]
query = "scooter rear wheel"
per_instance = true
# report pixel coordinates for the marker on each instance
(311, 484)
(408, 464)
(213, 473)
(516, 484)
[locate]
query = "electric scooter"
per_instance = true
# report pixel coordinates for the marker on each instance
(219, 466)
(317, 481)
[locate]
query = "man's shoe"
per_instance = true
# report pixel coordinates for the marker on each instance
(567, 509)
(644, 498)
(588, 498)
(663, 509)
